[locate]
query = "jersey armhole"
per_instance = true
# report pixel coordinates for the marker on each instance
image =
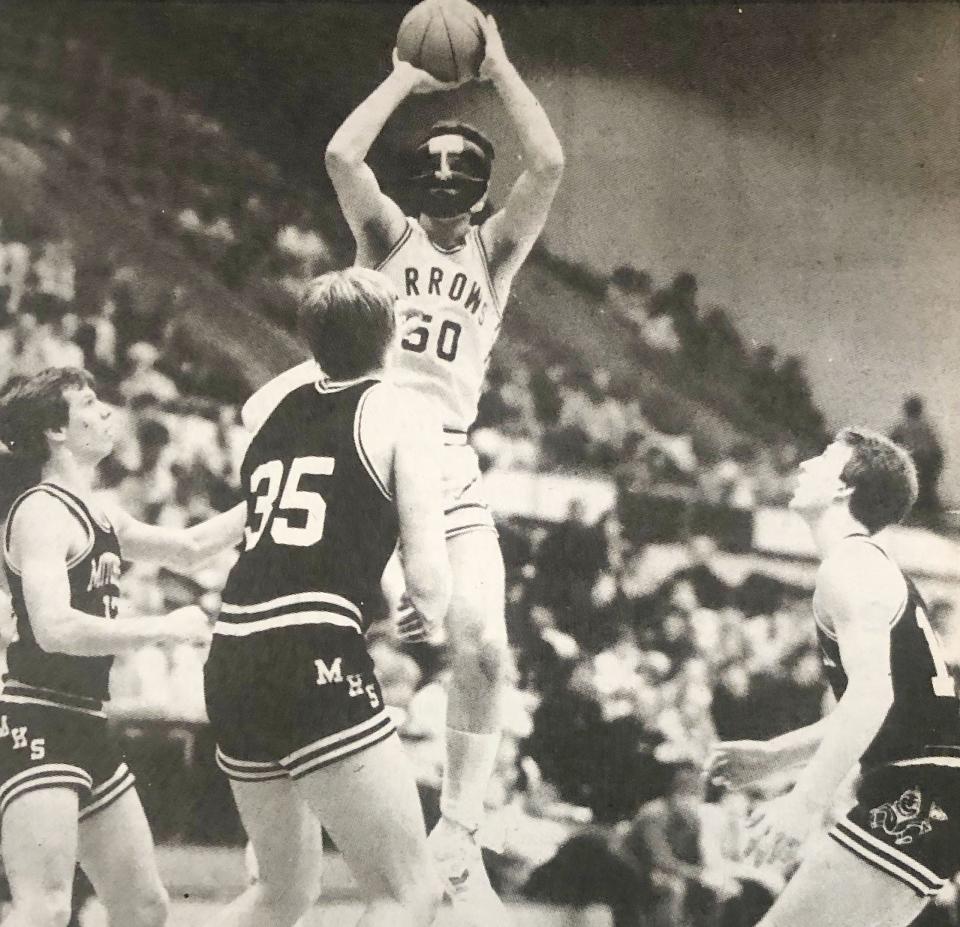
(378, 479)
(71, 506)
(485, 261)
(400, 242)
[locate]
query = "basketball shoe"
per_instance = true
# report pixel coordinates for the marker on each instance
(456, 852)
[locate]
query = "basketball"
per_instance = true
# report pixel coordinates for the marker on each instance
(443, 38)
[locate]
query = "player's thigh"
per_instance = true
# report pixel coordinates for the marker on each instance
(477, 598)
(116, 852)
(284, 832)
(369, 805)
(835, 888)
(39, 842)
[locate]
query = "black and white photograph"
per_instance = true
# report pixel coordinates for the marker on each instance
(479, 464)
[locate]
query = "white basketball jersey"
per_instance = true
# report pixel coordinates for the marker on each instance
(446, 356)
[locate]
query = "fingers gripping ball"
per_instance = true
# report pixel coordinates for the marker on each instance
(443, 38)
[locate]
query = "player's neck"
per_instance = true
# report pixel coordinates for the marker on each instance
(447, 233)
(65, 470)
(833, 526)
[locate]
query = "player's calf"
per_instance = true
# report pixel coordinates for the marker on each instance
(47, 907)
(148, 908)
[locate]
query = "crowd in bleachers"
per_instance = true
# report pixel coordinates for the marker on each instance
(634, 650)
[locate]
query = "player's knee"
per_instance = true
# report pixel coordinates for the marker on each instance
(50, 908)
(482, 650)
(151, 906)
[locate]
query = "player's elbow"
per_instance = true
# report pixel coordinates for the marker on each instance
(430, 587)
(339, 159)
(550, 163)
(51, 636)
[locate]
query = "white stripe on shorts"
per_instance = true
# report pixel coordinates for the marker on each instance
(291, 620)
(108, 792)
(865, 845)
(296, 598)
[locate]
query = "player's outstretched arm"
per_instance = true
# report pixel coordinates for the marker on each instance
(376, 221)
(738, 764)
(511, 232)
(183, 548)
(40, 546)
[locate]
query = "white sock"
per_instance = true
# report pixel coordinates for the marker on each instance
(470, 762)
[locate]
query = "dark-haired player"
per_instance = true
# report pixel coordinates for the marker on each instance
(897, 715)
(339, 469)
(65, 792)
(454, 277)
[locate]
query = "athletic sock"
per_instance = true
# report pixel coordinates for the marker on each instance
(466, 776)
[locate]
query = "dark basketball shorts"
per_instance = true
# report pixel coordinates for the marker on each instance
(287, 701)
(907, 822)
(53, 746)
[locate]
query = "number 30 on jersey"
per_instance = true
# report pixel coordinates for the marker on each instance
(266, 483)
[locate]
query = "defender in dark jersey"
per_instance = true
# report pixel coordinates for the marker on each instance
(338, 470)
(65, 790)
(897, 715)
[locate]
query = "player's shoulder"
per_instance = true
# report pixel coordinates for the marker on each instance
(853, 559)
(400, 404)
(858, 569)
(38, 511)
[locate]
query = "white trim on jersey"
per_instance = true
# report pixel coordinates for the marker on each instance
(295, 598)
(291, 620)
(71, 505)
(362, 453)
(951, 761)
(50, 703)
(325, 386)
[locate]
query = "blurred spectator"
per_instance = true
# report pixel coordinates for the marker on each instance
(144, 379)
(568, 563)
(917, 434)
(667, 837)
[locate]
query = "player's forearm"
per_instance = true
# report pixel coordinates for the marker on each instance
(853, 724)
(352, 141)
(542, 152)
(214, 535)
(798, 746)
(428, 583)
(78, 634)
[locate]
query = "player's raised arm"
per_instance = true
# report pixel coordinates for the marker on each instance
(184, 548)
(376, 221)
(510, 234)
(40, 542)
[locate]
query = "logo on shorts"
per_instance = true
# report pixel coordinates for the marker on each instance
(901, 819)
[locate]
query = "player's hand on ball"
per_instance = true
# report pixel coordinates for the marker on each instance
(189, 625)
(420, 81)
(739, 763)
(412, 626)
(495, 55)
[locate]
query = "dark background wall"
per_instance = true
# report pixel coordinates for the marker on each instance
(799, 158)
